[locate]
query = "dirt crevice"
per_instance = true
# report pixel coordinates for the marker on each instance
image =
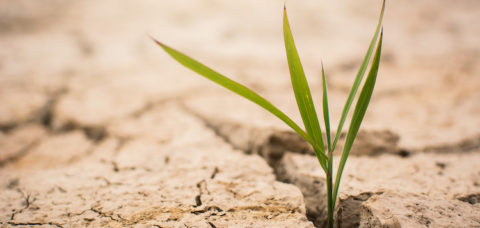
(212, 225)
(198, 197)
(5, 128)
(46, 116)
(35, 224)
(268, 143)
(212, 210)
(95, 134)
(19, 154)
(111, 216)
(117, 168)
(272, 144)
(43, 115)
(471, 199)
(214, 173)
(27, 202)
(349, 208)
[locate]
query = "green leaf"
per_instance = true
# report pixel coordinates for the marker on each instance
(358, 79)
(326, 115)
(302, 92)
(326, 118)
(235, 87)
(359, 113)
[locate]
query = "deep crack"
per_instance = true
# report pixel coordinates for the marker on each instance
(273, 144)
(198, 201)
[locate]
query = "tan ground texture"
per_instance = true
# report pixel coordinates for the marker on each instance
(100, 128)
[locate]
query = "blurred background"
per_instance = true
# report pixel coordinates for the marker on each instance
(91, 63)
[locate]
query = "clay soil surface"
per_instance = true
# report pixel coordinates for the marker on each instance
(100, 128)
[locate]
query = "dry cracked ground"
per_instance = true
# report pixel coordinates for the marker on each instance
(100, 128)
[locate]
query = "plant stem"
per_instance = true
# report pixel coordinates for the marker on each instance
(331, 204)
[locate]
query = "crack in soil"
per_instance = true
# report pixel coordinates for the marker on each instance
(19, 154)
(109, 215)
(45, 116)
(269, 145)
(211, 225)
(212, 209)
(348, 209)
(27, 201)
(202, 189)
(96, 134)
(214, 173)
(34, 224)
(116, 168)
(471, 199)
(5, 128)
(264, 145)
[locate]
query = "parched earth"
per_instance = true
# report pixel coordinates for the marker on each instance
(100, 128)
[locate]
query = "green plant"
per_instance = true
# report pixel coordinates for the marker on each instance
(313, 133)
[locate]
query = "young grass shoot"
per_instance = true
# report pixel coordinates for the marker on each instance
(313, 133)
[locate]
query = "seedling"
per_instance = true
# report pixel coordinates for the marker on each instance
(313, 133)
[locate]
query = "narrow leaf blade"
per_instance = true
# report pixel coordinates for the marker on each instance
(358, 79)
(326, 118)
(302, 91)
(326, 115)
(359, 113)
(234, 87)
